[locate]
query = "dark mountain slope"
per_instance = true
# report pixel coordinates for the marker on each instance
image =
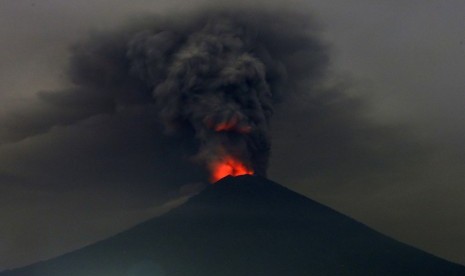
(246, 226)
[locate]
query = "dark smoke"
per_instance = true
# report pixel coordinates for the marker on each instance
(210, 69)
(205, 78)
(221, 69)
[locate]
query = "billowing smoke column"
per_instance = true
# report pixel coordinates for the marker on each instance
(214, 85)
(214, 78)
(211, 81)
(203, 85)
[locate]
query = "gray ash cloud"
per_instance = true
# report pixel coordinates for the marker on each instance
(209, 69)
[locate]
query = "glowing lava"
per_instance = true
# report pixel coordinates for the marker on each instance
(227, 126)
(228, 166)
(231, 125)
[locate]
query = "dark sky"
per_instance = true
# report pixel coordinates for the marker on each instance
(383, 144)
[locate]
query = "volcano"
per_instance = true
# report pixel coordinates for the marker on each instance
(246, 225)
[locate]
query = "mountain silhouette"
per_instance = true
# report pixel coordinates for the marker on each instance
(246, 225)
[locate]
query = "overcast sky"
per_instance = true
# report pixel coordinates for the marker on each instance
(400, 65)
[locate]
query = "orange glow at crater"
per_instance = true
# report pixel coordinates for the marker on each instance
(228, 166)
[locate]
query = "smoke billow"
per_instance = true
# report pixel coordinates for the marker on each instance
(212, 77)
(218, 77)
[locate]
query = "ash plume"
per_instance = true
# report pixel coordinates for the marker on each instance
(219, 77)
(212, 78)
(186, 88)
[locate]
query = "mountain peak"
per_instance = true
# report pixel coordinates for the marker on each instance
(247, 225)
